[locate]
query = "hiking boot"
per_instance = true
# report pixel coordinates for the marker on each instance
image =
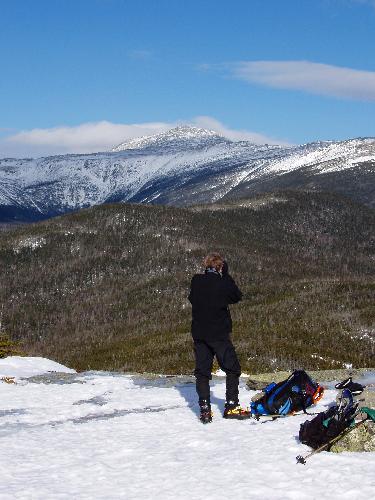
(206, 413)
(234, 411)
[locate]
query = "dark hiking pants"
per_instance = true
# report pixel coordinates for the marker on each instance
(227, 359)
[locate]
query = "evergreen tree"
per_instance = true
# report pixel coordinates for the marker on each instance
(8, 347)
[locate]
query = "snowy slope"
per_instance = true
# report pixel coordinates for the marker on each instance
(99, 435)
(327, 157)
(183, 166)
(22, 366)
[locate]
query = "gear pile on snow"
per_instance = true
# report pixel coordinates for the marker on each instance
(330, 426)
(296, 393)
(330, 423)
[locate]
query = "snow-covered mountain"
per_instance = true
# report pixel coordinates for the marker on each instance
(183, 166)
(190, 137)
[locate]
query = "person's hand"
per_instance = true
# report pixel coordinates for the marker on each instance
(224, 269)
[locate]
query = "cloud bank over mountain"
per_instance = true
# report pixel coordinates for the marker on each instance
(104, 135)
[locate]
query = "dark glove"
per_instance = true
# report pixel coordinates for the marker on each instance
(224, 269)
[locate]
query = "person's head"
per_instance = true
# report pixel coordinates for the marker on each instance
(214, 261)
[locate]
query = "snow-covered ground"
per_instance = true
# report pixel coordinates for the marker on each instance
(22, 367)
(106, 436)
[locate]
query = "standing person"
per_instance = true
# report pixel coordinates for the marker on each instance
(211, 327)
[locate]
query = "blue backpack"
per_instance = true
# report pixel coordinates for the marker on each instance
(296, 393)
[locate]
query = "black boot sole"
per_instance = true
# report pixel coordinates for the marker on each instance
(205, 421)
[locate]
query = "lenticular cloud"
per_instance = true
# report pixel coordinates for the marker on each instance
(312, 77)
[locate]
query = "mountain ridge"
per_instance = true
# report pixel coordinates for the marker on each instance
(181, 167)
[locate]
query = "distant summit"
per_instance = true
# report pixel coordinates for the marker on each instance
(181, 167)
(178, 135)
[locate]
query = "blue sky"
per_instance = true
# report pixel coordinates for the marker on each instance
(82, 75)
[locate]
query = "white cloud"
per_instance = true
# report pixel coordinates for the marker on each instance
(235, 135)
(85, 138)
(312, 77)
(104, 135)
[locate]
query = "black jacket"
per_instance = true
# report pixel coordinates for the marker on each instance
(210, 294)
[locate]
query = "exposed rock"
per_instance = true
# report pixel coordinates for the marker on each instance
(360, 439)
(369, 398)
(59, 378)
(259, 381)
(256, 385)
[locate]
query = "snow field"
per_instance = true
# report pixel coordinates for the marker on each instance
(29, 366)
(106, 436)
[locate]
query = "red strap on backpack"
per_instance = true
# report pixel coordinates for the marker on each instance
(318, 394)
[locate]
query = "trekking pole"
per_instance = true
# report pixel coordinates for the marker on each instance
(274, 416)
(302, 460)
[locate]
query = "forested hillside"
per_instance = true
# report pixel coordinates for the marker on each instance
(106, 287)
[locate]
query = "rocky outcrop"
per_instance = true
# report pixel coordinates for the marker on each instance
(362, 438)
(359, 440)
(259, 381)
